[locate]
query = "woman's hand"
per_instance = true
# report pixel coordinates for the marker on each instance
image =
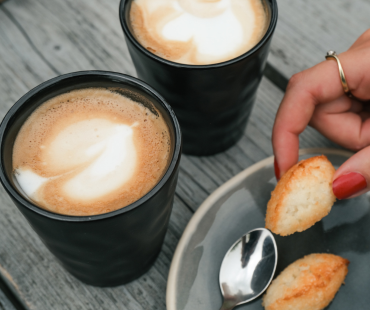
(315, 97)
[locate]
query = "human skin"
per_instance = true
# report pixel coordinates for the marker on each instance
(315, 97)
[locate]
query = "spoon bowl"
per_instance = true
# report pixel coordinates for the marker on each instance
(248, 268)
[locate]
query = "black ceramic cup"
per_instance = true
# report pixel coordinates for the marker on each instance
(212, 102)
(108, 249)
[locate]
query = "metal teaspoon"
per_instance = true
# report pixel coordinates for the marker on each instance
(248, 268)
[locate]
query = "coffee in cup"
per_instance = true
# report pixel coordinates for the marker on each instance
(198, 32)
(214, 89)
(115, 247)
(90, 151)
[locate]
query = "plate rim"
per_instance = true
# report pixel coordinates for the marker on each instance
(210, 200)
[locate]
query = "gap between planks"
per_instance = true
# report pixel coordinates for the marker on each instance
(8, 299)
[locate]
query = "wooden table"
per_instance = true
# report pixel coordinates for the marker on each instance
(40, 39)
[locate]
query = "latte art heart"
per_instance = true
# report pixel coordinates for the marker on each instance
(198, 31)
(105, 165)
(89, 152)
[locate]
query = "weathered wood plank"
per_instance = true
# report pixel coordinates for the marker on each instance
(73, 35)
(306, 30)
(20, 67)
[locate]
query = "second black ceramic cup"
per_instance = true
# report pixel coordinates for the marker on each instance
(212, 102)
(107, 249)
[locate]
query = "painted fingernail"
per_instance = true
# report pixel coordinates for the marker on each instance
(277, 170)
(348, 185)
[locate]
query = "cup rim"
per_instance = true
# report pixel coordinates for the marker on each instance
(120, 77)
(265, 38)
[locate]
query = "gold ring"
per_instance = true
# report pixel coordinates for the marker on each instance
(332, 54)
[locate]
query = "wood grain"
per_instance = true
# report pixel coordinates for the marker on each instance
(41, 39)
(306, 30)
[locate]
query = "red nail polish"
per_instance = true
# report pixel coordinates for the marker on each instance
(277, 170)
(349, 184)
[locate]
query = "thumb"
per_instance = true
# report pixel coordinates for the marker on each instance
(353, 177)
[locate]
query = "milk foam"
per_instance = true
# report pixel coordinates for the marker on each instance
(204, 31)
(90, 151)
(213, 36)
(114, 166)
(107, 157)
(29, 181)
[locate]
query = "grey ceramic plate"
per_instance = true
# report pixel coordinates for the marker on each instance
(239, 206)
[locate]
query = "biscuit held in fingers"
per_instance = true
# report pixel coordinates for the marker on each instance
(309, 283)
(302, 197)
(315, 96)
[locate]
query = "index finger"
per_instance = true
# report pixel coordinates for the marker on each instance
(305, 90)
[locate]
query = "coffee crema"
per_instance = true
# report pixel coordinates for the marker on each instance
(198, 32)
(90, 151)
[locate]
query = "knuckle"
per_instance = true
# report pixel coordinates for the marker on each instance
(294, 80)
(358, 146)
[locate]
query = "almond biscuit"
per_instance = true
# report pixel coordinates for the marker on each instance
(309, 283)
(302, 197)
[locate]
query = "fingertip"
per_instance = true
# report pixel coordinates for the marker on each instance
(349, 185)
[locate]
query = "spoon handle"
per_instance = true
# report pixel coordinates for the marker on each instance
(227, 305)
